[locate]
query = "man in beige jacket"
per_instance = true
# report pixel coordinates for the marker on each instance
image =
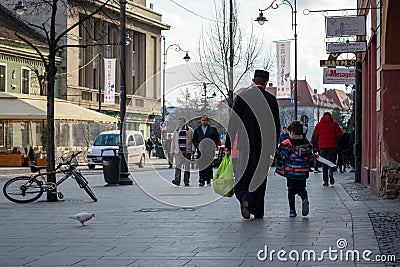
(182, 150)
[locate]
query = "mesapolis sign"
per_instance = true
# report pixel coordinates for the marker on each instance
(339, 76)
(337, 62)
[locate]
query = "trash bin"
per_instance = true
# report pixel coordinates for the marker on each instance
(111, 168)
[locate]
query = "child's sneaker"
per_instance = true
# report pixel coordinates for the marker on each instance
(292, 213)
(306, 207)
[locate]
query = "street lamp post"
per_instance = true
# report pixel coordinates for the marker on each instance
(186, 58)
(207, 97)
(123, 152)
(261, 19)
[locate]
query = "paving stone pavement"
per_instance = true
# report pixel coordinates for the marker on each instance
(133, 228)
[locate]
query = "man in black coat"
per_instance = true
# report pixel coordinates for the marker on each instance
(206, 149)
(255, 119)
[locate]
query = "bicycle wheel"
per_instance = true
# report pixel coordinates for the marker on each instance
(22, 189)
(83, 183)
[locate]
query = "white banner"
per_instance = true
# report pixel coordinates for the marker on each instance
(283, 70)
(339, 76)
(109, 81)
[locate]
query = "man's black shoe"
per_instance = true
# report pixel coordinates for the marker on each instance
(244, 208)
(186, 184)
(325, 184)
(175, 183)
(201, 184)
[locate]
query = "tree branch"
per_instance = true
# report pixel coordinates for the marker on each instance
(42, 57)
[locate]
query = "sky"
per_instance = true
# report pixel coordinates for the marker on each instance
(186, 29)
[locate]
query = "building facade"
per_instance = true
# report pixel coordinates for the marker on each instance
(380, 164)
(81, 72)
(84, 66)
(311, 106)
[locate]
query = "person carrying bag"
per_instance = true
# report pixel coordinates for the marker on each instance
(223, 180)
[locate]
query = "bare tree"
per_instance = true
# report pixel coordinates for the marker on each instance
(225, 45)
(56, 39)
(286, 115)
(193, 104)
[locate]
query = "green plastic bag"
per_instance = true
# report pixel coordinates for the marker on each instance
(223, 180)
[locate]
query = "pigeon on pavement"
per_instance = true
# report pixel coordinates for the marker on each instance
(83, 217)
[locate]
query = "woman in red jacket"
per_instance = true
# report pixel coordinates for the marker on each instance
(326, 132)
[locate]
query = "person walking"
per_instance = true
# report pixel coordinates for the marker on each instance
(205, 152)
(157, 146)
(344, 143)
(314, 141)
(167, 148)
(255, 119)
(284, 135)
(327, 131)
(182, 149)
(149, 146)
(294, 157)
(352, 141)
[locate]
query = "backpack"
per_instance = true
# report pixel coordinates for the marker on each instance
(294, 161)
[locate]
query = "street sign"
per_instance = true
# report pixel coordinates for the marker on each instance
(345, 26)
(163, 124)
(339, 62)
(339, 76)
(350, 47)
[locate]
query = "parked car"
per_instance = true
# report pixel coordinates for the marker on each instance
(110, 139)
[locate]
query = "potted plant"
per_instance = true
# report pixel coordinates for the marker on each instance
(42, 160)
(31, 157)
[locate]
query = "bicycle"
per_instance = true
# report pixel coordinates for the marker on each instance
(26, 189)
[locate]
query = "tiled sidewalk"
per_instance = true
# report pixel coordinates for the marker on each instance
(132, 228)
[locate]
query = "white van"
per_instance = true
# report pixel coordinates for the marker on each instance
(110, 139)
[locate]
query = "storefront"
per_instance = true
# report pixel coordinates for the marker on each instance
(22, 125)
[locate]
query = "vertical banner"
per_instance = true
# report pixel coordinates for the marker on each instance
(109, 81)
(283, 70)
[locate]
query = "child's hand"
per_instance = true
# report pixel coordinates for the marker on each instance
(316, 154)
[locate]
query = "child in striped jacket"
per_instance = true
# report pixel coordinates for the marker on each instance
(294, 157)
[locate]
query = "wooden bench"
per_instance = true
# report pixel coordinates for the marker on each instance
(11, 160)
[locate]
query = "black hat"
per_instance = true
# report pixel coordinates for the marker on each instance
(262, 74)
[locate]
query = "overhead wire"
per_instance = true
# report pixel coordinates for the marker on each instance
(190, 11)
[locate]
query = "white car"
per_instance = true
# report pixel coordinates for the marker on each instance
(110, 140)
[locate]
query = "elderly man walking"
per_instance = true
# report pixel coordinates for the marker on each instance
(182, 149)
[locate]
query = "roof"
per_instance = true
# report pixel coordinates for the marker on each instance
(33, 107)
(305, 96)
(9, 24)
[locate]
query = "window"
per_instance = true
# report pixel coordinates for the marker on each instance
(87, 96)
(3, 78)
(1, 135)
(25, 81)
(139, 102)
(139, 139)
(107, 140)
(130, 139)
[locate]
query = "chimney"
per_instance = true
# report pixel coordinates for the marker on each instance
(325, 90)
(270, 84)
